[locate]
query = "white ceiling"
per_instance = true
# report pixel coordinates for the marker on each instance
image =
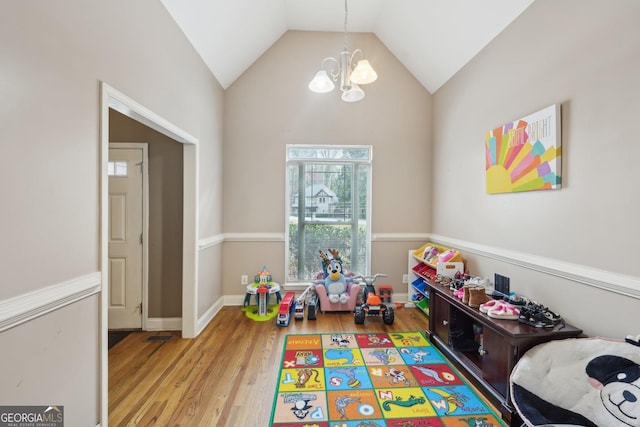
(432, 38)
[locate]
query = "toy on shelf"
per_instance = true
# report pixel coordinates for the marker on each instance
(287, 305)
(335, 290)
(373, 304)
(431, 254)
(433, 262)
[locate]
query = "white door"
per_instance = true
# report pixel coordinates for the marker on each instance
(126, 237)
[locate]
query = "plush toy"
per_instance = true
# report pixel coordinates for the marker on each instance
(334, 281)
(617, 379)
(579, 382)
(325, 261)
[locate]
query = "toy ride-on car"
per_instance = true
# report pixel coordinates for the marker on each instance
(372, 305)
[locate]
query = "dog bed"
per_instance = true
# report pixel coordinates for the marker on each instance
(590, 382)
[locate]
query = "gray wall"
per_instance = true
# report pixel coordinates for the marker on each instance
(270, 106)
(584, 55)
(54, 55)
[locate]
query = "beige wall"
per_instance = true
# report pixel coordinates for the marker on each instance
(54, 55)
(584, 55)
(53, 359)
(270, 106)
(165, 212)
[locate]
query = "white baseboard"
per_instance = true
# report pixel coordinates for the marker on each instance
(204, 320)
(164, 324)
(399, 297)
(233, 300)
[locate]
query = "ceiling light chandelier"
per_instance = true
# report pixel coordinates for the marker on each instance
(350, 79)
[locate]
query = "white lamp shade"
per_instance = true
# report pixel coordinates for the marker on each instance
(363, 73)
(321, 83)
(353, 95)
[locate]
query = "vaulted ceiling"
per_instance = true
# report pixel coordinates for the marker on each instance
(432, 38)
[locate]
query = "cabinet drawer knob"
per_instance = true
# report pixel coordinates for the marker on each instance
(482, 351)
(445, 322)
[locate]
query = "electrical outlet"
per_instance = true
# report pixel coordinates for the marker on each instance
(244, 279)
(405, 278)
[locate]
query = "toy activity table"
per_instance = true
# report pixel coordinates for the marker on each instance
(274, 288)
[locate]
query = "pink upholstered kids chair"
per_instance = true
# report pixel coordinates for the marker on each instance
(353, 289)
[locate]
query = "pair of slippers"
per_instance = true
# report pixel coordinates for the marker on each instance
(498, 309)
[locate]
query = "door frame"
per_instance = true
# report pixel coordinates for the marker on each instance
(144, 146)
(114, 99)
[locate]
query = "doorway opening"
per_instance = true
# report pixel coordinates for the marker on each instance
(113, 99)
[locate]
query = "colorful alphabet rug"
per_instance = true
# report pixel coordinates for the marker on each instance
(373, 379)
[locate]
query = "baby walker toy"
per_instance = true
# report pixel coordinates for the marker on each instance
(373, 305)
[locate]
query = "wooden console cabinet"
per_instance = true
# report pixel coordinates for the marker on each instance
(503, 343)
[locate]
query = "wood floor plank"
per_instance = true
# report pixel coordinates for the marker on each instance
(225, 377)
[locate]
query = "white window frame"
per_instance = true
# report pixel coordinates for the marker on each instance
(366, 159)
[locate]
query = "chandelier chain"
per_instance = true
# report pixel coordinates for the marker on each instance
(346, 14)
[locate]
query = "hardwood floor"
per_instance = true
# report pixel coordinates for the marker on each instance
(224, 377)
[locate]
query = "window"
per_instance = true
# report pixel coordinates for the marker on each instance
(328, 206)
(117, 169)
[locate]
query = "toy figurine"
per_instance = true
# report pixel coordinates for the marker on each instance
(334, 280)
(325, 262)
(262, 277)
(336, 283)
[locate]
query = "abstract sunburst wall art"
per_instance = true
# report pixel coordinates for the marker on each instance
(524, 155)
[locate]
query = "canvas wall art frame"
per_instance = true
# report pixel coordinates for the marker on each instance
(524, 155)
